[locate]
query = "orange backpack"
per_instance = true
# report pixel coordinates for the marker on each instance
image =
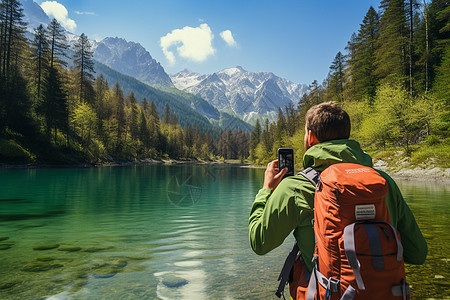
(358, 253)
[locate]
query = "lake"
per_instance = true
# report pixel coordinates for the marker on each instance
(163, 231)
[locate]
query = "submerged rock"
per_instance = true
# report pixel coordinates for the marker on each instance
(109, 275)
(174, 282)
(6, 245)
(120, 263)
(40, 266)
(46, 247)
(7, 285)
(69, 248)
(47, 258)
(98, 249)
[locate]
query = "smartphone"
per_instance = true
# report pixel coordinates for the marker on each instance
(286, 160)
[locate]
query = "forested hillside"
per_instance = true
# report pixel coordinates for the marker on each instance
(394, 81)
(50, 113)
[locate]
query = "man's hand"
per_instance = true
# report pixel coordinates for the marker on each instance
(273, 176)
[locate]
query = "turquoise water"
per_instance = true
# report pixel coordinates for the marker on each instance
(157, 231)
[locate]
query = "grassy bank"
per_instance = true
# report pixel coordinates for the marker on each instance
(430, 159)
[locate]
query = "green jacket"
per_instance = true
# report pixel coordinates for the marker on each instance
(274, 215)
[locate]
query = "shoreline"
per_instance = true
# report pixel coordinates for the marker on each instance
(120, 164)
(430, 174)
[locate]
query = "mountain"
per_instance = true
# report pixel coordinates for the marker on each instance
(240, 92)
(132, 66)
(132, 59)
(34, 14)
(186, 114)
(189, 109)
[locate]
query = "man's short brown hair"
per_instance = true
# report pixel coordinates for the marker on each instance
(328, 121)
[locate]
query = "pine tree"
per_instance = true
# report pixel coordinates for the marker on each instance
(134, 115)
(392, 45)
(84, 65)
(361, 58)
(102, 95)
(12, 28)
(166, 117)
(412, 5)
(144, 133)
(40, 57)
(58, 43)
(119, 112)
(336, 78)
(17, 113)
(442, 84)
(54, 105)
(174, 120)
(431, 43)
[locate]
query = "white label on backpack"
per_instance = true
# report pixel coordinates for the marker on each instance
(365, 212)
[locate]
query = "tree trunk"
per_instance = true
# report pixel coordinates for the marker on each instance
(411, 21)
(426, 45)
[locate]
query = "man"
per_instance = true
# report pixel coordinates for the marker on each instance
(281, 207)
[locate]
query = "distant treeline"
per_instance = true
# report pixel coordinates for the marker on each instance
(52, 113)
(394, 81)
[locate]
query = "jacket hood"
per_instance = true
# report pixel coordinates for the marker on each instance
(324, 154)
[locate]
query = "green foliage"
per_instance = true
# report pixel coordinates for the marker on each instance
(11, 151)
(84, 66)
(391, 60)
(185, 113)
(385, 108)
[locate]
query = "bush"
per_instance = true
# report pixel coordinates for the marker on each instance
(10, 151)
(432, 140)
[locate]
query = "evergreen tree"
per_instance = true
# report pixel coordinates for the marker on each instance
(119, 112)
(166, 117)
(134, 116)
(411, 7)
(153, 110)
(145, 106)
(336, 78)
(174, 120)
(17, 103)
(442, 85)
(40, 55)
(291, 120)
(361, 58)
(144, 133)
(84, 65)
(392, 45)
(101, 91)
(12, 29)
(54, 105)
(189, 139)
(432, 42)
(58, 43)
(255, 136)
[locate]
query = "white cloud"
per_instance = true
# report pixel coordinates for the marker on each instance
(58, 11)
(227, 36)
(91, 13)
(192, 43)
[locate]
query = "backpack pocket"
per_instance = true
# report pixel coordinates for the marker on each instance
(372, 260)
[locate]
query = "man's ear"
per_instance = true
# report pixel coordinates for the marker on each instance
(312, 139)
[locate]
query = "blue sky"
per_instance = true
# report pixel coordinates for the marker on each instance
(294, 39)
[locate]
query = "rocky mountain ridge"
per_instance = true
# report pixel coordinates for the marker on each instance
(241, 92)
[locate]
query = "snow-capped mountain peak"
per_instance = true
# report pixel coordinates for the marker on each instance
(233, 71)
(132, 59)
(243, 92)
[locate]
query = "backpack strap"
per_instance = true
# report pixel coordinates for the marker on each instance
(350, 252)
(287, 267)
(311, 174)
